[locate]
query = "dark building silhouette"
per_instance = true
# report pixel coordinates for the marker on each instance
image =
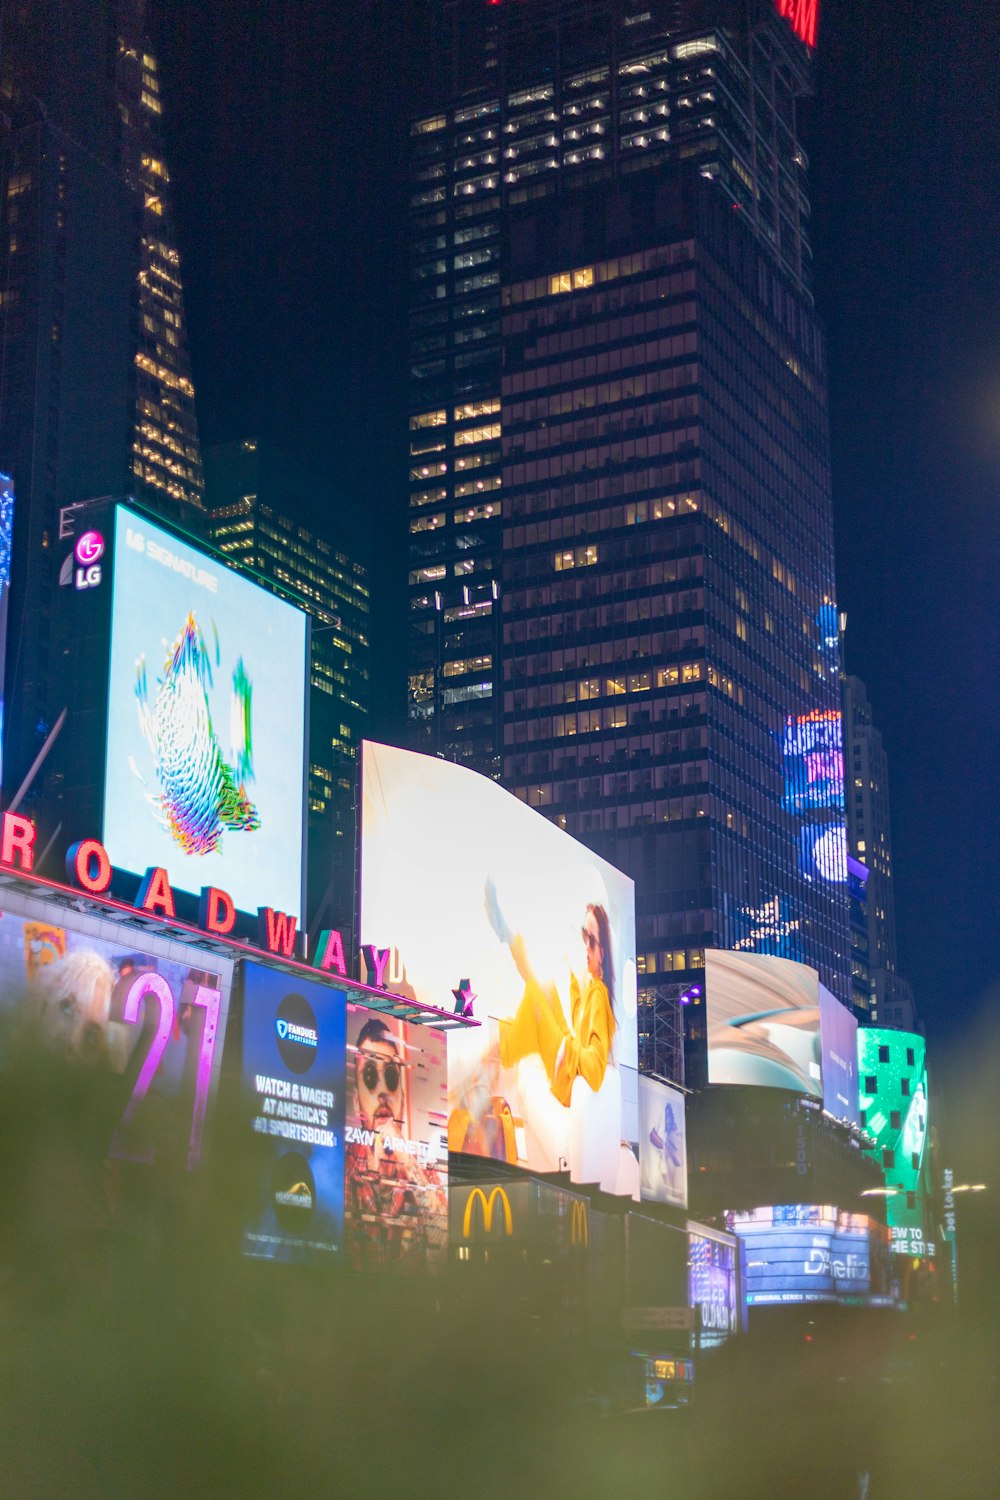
(621, 564)
(95, 385)
(252, 493)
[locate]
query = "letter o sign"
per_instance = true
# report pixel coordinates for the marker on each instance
(88, 866)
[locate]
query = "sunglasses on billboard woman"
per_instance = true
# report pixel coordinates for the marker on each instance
(589, 938)
(390, 1070)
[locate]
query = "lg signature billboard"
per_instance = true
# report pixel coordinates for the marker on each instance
(206, 722)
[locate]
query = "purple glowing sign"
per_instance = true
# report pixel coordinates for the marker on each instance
(153, 986)
(89, 548)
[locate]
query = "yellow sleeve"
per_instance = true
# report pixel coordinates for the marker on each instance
(588, 1046)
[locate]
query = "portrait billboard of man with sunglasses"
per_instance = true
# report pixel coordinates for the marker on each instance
(396, 1183)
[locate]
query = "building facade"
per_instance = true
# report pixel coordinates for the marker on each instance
(870, 840)
(96, 396)
(249, 490)
(621, 585)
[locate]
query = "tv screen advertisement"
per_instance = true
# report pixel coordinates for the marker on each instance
(713, 1288)
(839, 1040)
(396, 1162)
(204, 763)
(473, 888)
(150, 1012)
(294, 1037)
(807, 1252)
(763, 1022)
(662, 1144)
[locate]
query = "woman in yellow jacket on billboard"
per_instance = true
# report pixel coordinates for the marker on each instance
(576, 1048)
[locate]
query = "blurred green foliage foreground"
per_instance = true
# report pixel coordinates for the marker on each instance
(142, 1356)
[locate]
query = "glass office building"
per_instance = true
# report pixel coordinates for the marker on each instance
(621, 568)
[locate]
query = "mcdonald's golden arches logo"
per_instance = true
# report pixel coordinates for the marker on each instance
(477, 1195)
(579, 1223)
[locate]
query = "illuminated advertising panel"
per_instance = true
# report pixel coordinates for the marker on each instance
(839, 1042)
(206, 722)
(662, 1144)
(763, 1022)
(813, 757)
(713, 1288)
(892, 1076)
(396, 1162)
(6, 542)
(807, 1252)
(294, 1036)
(147, 1009)
(476, 890)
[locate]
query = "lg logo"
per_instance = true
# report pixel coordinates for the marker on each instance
(86, 555)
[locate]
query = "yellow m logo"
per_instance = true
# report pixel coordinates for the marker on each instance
(477, 1194)
(579, 1224)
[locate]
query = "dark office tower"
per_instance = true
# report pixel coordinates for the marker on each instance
(252, 493)
(870, 840)
(619, 443)
(537, 101)
(95, 389)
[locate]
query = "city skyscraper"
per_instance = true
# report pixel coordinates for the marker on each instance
(870, 840)
(622, 582)
(95, 384)
(252, 493)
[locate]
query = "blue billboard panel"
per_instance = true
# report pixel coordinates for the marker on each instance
(813, 753)
(838, 1029)
(808, 1252)
(206, 722)
(294, 1041)
(713, 1288)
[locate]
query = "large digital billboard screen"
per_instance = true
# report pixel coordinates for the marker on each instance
(206, 722)
(294, 1037)
(662, 1144)
(763, 1021)
(892, 1076)
(813, 760)
(396, 1164)
(808, 1252)
(148, 1010)
(471, 886)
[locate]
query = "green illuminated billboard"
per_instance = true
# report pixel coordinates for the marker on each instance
(892, 1086)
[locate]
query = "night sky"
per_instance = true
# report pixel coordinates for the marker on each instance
(285, 131)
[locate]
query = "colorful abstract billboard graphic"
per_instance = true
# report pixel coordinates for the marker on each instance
(892, 1079)
(662, 1143)
(201, 793)
(809, 1252)
(204, 767)
(467, 883)
(157, 1020)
